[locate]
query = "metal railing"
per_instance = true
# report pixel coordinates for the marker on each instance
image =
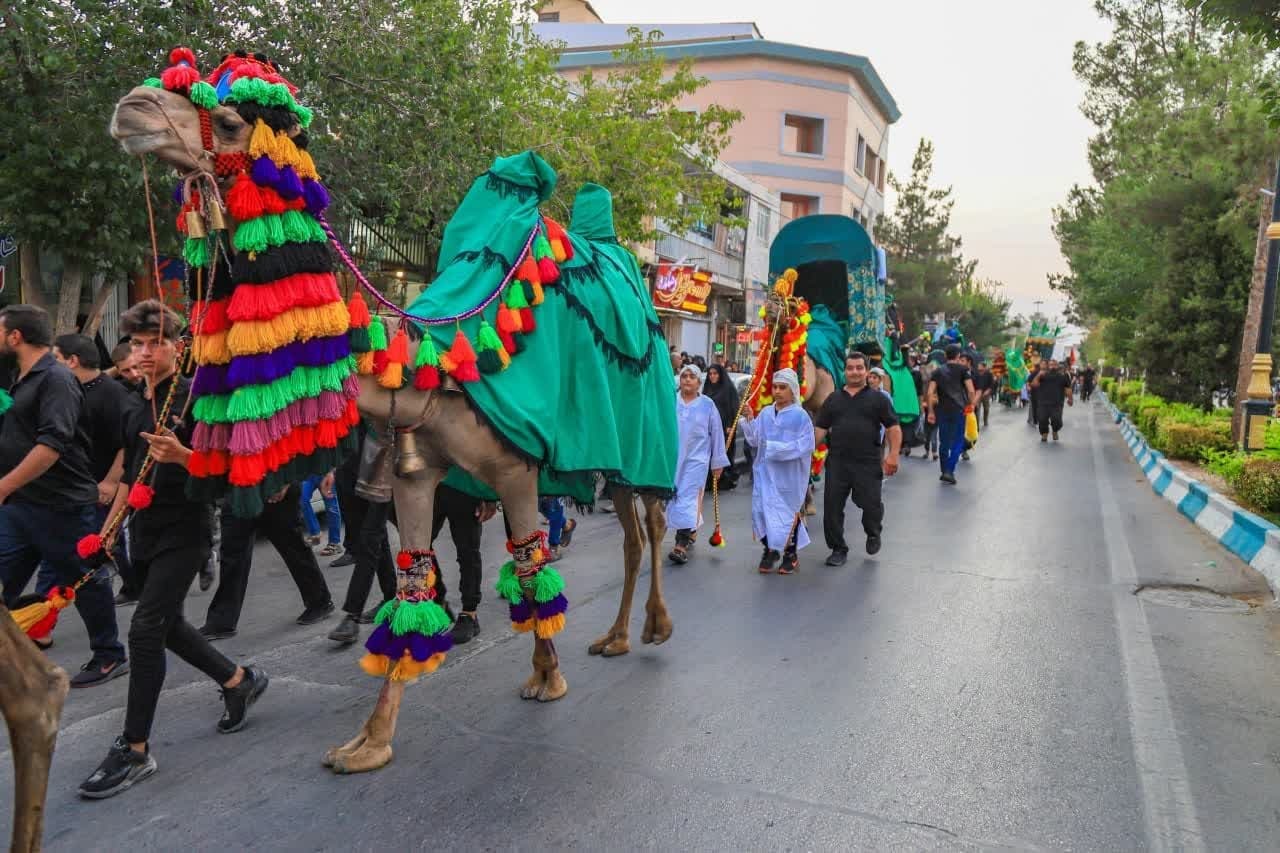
(727, 269)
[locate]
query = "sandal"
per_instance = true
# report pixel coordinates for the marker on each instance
(678, 555)
(313, 541)
(566, 535)
(333, 549)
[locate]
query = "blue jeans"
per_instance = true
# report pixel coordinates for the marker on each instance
(950, 440)
(333, 515)
(31, 534)
(553, 510)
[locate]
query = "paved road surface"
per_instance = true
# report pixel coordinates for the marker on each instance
(990, 680)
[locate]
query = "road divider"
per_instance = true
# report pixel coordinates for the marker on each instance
(1247, 535)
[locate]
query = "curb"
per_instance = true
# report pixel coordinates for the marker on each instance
(1250, 537)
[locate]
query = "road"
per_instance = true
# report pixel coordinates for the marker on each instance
(990, 680)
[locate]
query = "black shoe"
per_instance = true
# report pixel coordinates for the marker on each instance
(120, 770)
(367, 617)
(99, 671)
(790, 564)
(769, 561)
(873, 545)
(312, 615)
(566, 535)
(465, 629)
(238, 699)
(837, 558)
(949, 479)
(347, 632)
(124, 599)
(206, 577)
(346, 559)
(211, 633)
(965, 456)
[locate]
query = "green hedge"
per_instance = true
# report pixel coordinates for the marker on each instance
(1194, 441)
(1259, 483)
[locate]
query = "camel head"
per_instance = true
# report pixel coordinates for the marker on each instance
(151, 120)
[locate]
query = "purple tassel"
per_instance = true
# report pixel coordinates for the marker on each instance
(177, 195)
(316, 196)
(265, 173)
(381, 642)
(521, 612)
(290, 186)
(554, 607)
(210, 379)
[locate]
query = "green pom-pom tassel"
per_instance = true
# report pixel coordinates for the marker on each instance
(487, 338)
(542, 247)
(251, 235)
(314, 229)
(547, 584)
(203, 95)
(295, 227)
(6, 401)
(153, 83)
(385, 612)
(515, 297)
(508, 585)
(427, 355)
(275, 229)
(359, 339)
(377, 335)
(419, 617)
(195, 251)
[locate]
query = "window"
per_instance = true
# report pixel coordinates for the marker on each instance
(854, 212)
(795, 205)
(860, 163)
(880, 177)
(762, 222)
(548, 17)
(803, 135)
(873, 166)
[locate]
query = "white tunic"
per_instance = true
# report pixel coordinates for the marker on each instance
(701, 448)
(779, 475)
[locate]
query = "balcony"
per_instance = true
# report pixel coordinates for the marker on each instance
(719, 252)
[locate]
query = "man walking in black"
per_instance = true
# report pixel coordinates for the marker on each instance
(171, 540)
(48, 497)
(984, 382)
(851, 420)
(1088, 378)
(1051, 386)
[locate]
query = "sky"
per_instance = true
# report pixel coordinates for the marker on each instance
(988, 81)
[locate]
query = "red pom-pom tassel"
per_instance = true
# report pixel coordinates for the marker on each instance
(89, 545)
(140, 496)
(426, 378)
(548, 271)
(404, 560)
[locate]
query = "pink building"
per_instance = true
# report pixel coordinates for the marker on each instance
(815, 127)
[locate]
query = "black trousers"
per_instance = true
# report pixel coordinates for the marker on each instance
(857, 478)
(163, 578)
(366, 538)
(281, 522)
(1049, 415)
(459, 509)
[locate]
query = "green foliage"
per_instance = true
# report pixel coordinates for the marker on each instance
(1227, 464)
(1259, 483)
(1194, 441)
(1161, 246)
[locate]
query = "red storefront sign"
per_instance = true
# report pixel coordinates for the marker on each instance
(681, 287)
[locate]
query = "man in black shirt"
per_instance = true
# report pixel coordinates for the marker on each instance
(984, 382)
(172, 537)
(1088, 378)
(851, 420)
(950, 393)
(49, 497)
(1050, 387)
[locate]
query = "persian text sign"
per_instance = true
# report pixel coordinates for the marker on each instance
(681, 287)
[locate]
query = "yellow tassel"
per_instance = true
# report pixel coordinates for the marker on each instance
(558, 252)
(364, 363)
(407, 669)
(548, 628)
(263, 142)
(212, 349)
(296, 324)
(506, 358)
(537, 292)
(392, 377)
(306, 167)
(286, 151)
(375, 665)
(523, 627)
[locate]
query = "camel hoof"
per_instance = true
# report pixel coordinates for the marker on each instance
(554, 688)
(532, 688)
(367, 757)
(331, 756)
(657, 628)
(616, 647)
(598, 647)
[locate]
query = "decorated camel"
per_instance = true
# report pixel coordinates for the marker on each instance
(534, 362)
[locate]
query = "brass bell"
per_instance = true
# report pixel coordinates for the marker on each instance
(373, 483)
(217, 219)
(408, 460)
(195, 225)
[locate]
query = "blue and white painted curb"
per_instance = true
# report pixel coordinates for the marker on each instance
(1250, 537)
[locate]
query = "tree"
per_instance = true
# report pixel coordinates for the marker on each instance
(983, 312)
(927, 264)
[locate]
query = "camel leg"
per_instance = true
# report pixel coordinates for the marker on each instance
(374, 750)
(657, 624)
(32, 691)
(371, 747)
(616, 641)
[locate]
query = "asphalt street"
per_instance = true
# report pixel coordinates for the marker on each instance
(992, 679)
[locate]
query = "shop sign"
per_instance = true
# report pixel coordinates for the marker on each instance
(743, 337)
(681, 287)
(8, 245)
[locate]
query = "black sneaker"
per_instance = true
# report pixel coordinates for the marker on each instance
(465, 629)
(367, 617)
(949, 479)
(347, 632)
(769, 561)
(212, 632)
(312, 615)
(206, 577)
(238, 699)
(347, 559)
(790, 564)
(120, 770)
(873, 545)
(99, 671)
(837, 558)
(566, 535)
(124, 599)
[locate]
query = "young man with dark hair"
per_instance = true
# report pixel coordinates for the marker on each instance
(48, 498)
(950, 393)
(171, 540)
(855, 421)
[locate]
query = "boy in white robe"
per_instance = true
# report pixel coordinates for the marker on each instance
(701, 447)
(783, 438)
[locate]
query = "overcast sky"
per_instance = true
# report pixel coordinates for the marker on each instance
(989, 81)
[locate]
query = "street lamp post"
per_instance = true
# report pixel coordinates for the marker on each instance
(1259, 406)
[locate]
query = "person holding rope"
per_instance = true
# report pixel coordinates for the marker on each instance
(783, 440)
(171, 538)
(701, 447)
